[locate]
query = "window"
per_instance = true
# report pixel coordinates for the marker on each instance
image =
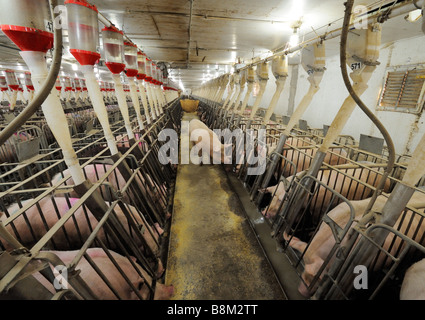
(403, 90)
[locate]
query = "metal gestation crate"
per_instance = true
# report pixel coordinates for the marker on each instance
(124, 232)
(386, 263)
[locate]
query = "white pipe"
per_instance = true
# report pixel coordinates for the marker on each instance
(158, 100)
(247, 95)
(142, 91)
(53, 112)
(122, 104)
(151, 102)
(238, 98)
(136, 102)
(99, 106)
(229, 94)
(13, 100)
(235, 95)
(300, 110)
(280, 85)
(263, 84)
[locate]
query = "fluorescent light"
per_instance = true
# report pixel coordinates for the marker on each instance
(74, 67)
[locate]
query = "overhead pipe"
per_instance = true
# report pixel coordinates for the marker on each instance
(251, 80)
(263, 77)
(280, 72)
(381, 16)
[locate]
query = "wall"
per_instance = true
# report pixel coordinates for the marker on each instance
(405, 129)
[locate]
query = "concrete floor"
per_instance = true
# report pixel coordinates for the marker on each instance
(213, 251)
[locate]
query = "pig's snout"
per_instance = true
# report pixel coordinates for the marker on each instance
(302, 288)
(163, 292)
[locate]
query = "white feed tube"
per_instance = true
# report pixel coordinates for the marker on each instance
(99, 106)
(151, 102)
(247, 95)
(280, 85)
(53, 112)
(122, 104)
(142, 90)
(263, 84)
(136, 102)
(301, 109)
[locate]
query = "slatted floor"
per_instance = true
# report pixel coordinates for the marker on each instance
(213, 252)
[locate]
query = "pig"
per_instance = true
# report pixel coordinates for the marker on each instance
(96, 171)
(208, 140)
(85, 224)
(111, 272)
(413, 286)
(315, 253)
(348, 188)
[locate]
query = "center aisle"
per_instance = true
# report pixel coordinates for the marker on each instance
(213, 252)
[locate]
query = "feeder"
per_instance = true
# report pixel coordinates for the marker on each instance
(67, 83)
(28, 81)
(131, 63)
(58, 84)
(83, 30)
(263, 77)
(27, 24)
(11, 80)
(242, 84)
(77, 84)
(250, 79)
(280, 72)
(83, 84)
(148, 70)
(313, 60)
(113, 44)
(3, 84)
(141, 63)
(236, 80)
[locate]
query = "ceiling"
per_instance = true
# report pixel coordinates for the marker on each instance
(201, 39)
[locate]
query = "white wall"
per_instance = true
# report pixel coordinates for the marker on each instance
(333, 92)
